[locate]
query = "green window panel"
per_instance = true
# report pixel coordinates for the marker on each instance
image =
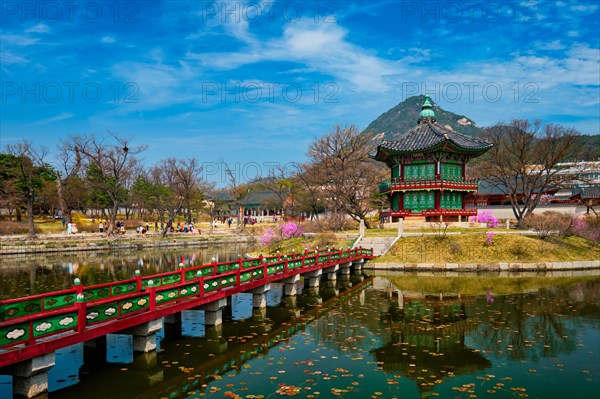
(417, 201)
(451, 171)
(424, 171)
(451, 200)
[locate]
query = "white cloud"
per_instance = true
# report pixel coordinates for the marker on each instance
(553, 45)
(108, 39)
(585, 8)
(10, 58)
(322, 47)
(39, 28)
(17, 40)
(57, 118)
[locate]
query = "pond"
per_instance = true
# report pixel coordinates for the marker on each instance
(34, 274)
(393, 336)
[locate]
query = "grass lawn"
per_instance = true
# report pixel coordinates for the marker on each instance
(392, 232)
(300, 244)
(47, 225)
(472, 248)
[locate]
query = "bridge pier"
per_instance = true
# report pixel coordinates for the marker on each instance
(215, 342)
(291, 288)
(213, 312)
(358, 266)
(145, 367)
(174, 319)
(144, 335)
(332, 272)
(345, 281)
(227, 311)
(311, 297)
(314, 278)
(291, 305)
(259, 297)
(329, 290)
(30, 377)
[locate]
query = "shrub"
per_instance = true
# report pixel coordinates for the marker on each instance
(10, 227)
(282, 232)
(440, 228)
(587, 227)
(549, 222)
(455, 248)
(329, 224)
(486, 216)
(325, 238)
(489, 240)
(290, 230)
(268, 237)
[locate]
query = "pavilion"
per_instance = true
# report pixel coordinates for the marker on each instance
(427, 166)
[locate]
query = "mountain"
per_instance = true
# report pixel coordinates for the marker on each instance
(403, 117)
(586, 148)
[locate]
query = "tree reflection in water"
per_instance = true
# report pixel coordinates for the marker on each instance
(35, 274)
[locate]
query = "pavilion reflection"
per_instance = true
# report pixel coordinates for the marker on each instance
(427, 340)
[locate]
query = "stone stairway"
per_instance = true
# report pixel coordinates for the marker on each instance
(380, 245)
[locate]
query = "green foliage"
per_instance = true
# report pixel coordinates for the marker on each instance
(586, 148)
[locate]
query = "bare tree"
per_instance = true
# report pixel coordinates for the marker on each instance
(29, 168)
(524, 161)
(345, 171)
(282, 187)
(310, 194)
(69, 164)
(110, 167)
(238, 192)
(182, 177)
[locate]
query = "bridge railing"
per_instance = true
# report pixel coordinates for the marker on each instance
(76, 309)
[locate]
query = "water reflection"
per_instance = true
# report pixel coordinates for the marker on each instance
(378, 339)
(34, 274)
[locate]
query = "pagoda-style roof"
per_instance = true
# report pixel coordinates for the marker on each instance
(429, 135)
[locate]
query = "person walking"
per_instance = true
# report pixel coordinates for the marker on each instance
(101, 227)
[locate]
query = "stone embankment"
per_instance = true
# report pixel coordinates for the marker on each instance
(486, 267)
(52, 243)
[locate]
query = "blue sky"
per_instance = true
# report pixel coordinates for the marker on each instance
(258, 81)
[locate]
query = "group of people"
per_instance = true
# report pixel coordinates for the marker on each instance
(182, 228)
(142, 229)
(251, 220)
(72, 228)
(103, 226)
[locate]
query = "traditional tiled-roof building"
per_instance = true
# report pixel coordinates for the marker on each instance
(427, 166)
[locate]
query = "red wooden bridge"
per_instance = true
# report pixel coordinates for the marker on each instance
(37, 325)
